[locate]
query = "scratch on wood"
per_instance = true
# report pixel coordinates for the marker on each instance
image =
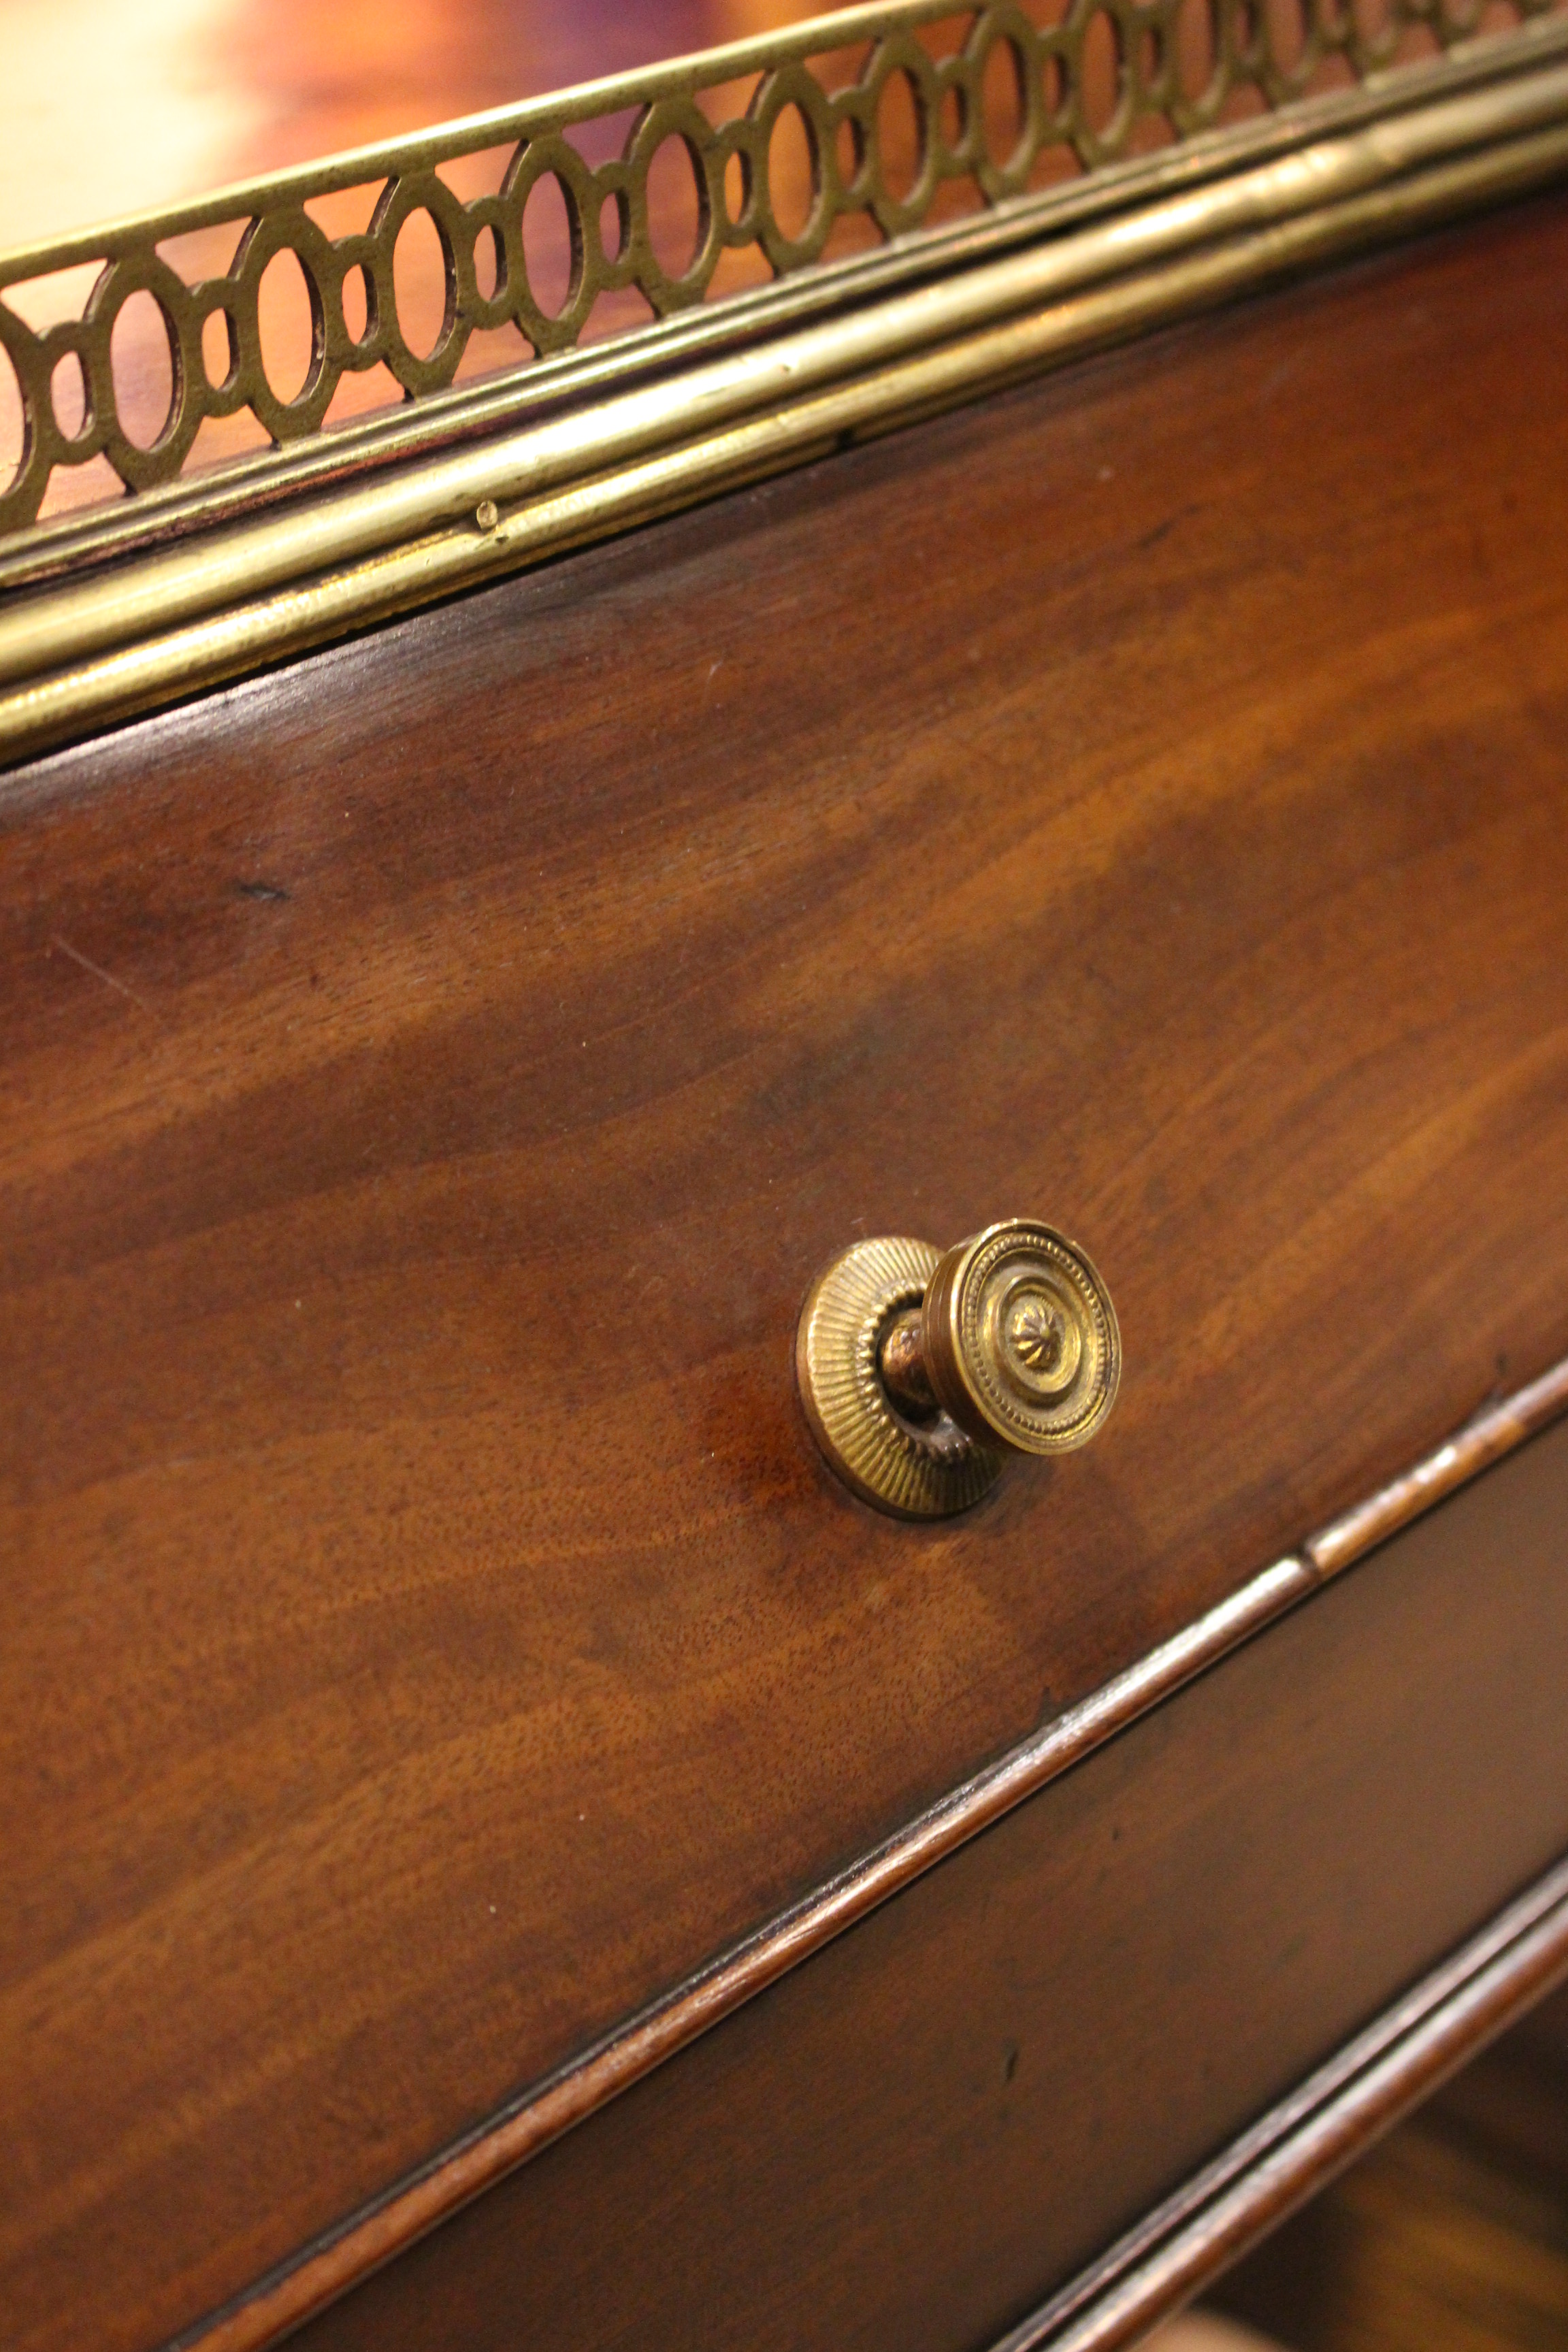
(98, 972)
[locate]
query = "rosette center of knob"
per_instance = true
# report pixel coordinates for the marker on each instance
(1019, 1341)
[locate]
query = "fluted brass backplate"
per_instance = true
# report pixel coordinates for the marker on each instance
(918, 1472)
(920, 1370)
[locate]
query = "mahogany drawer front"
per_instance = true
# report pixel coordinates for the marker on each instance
(921, 2134)
(434, 1072)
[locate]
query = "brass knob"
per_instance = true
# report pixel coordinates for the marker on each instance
(921, 1370)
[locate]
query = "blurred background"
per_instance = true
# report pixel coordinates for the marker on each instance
(107, 108)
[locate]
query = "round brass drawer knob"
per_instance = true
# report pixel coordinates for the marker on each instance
(920, 1370)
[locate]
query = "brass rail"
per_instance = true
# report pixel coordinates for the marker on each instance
(1083, 86)
(115, 642)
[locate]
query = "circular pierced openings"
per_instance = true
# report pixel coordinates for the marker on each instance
(359, 307)
(900, 136)
(489, 263)
(1005, 107)
(793, 172)
(68, 398)
(551, 246)
(219, 358)
(850, 152)
(1101, 75)
(902, 127)
(1196, 49)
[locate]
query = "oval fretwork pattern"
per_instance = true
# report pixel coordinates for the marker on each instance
(1090, 84)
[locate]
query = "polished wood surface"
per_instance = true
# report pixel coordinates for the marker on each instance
(433, 1074)
(936, 2122)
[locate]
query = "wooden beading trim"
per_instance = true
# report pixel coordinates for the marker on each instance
(1495, 1430)
(1211, 2219)
(1292, 2152)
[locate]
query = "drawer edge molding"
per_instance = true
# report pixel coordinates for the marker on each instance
(1295, 2148)
(1425, 147)
(1273, 2166)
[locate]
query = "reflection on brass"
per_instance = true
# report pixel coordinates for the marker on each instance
(1021, 1343)
(1169, 68)
(901, 1361)
(920, 1372)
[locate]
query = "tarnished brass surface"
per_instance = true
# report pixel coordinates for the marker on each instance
(489, 404)
(1096, 86)
(903, 1364)
(920, 1372)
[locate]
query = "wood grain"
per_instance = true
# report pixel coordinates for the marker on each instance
(432, 1075)
(942, 2117)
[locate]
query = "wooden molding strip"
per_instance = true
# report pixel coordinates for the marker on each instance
(1493, 1431)
(1329, 2113)
(1293, 2150)
(225, 602)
